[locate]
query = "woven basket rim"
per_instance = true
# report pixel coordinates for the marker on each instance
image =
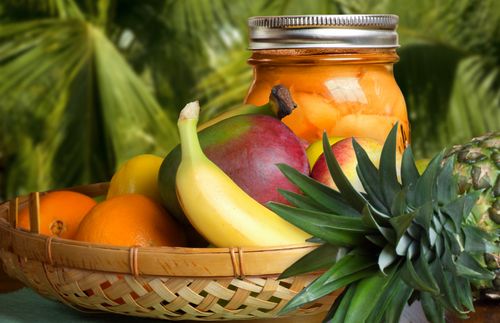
(156, 261)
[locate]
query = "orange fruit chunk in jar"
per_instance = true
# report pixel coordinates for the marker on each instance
(60, 213)
(130, 220)
(343, 98)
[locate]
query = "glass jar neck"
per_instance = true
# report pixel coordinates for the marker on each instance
(305, 56)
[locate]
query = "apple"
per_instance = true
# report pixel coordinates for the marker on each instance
(346, 157)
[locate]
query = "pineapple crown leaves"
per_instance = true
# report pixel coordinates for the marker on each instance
(397, 242)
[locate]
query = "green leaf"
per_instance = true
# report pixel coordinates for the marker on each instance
(421, 265)
(468, 267)
(413, 279)
(339, 309)
(399, 205)
(354, 261)
(354, 198)
(368, 292)
(465, 293)
(444, 280)
(439, 246)
(433, 310)
(426, 183)
(377, 240)
(409, 172)
(403, 244)
(320, 193)
(336, 229)
(388, 177)
(369, 178)
(479, 241)
(415, 231)
(401, 224)
(370, 221)
(302, 201)
(452, 242)
(392, 302)
(424, 216)
(386, 258)
(446, 183)
(412, 249)
(459, 208)
(322, 257)
(318, 288)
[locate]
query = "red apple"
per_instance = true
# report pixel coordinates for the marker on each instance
(345, 155)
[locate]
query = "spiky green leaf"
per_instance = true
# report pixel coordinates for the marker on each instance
(369, 177)
(446, 183)
(318, 288)
(403, 244)
(349, 193)
(391, 303)
(401, 223)
(453, 244)
(371, 222)
(425, 187)
(409, 172)
(433, 310)
(322, 257)
(356, 260)
(415, 231)
(318, 192)
(377, 240)
(399, 205)
(421, 265)
(368, 292)
(417, 281)
(479, 241)
(424, 216)
(468, 267)
(388, 176)
(465, 293)
(387, 257)
(302, 201)
(339, 309)
(336, 229)
(444, 280)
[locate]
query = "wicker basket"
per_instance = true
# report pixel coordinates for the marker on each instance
(206, 284)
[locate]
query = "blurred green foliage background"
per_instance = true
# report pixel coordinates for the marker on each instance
(86, 84)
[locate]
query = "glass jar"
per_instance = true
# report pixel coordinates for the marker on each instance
(339, 70)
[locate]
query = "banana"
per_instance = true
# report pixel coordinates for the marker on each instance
(280, 105)
(218, 208)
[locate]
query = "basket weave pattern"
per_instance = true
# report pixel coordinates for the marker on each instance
(164, 283)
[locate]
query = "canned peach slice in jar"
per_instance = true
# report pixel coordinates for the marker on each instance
(339, 69)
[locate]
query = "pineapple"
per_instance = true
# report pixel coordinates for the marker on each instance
(477, 167)
(423, 238)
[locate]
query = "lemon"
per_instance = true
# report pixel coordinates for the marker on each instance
(137, 175)
(316, 149)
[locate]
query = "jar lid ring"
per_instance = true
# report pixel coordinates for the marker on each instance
(323, 31)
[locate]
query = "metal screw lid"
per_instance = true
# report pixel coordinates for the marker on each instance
(323, 31)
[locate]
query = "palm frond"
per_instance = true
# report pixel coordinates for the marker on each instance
(62, 70)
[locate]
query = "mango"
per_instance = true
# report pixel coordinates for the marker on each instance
(247, 148)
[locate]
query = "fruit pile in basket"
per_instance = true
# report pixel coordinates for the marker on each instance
(386, 231)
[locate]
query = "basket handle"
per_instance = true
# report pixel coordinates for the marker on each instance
(13, 212)
(34, 212)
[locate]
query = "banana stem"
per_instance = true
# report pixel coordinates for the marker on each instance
(188, 119)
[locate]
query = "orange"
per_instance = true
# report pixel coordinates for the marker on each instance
(60, 213)
(130, 220)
